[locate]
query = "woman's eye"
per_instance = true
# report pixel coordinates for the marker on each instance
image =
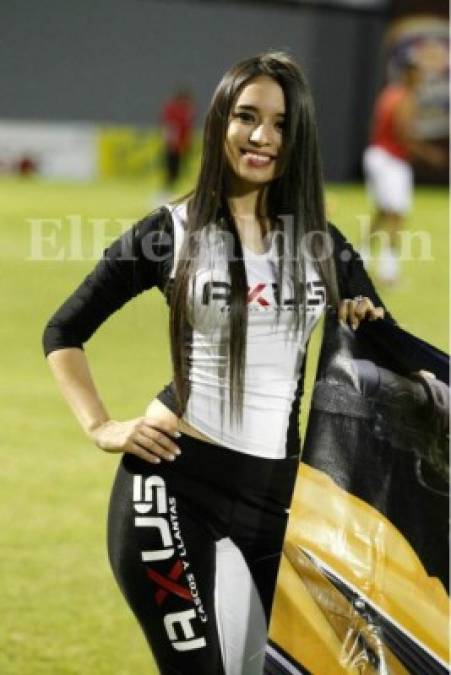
(245, 116)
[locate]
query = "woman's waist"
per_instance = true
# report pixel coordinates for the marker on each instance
(206, 446)
(186, 428)
(160, 412)
(265, 421)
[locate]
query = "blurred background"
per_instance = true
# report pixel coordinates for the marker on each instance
(82, 88)
(89, 92)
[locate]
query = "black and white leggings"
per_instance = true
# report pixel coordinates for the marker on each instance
(195, 546)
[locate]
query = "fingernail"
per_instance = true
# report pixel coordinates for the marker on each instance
(157, 460)
(178, 451)
(355, 326)
(177, 434)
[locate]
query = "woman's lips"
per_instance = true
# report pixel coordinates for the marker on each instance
(257, 160)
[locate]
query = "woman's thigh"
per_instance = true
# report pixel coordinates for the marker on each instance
(163, 558)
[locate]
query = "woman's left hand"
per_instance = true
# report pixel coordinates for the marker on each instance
(355, 310)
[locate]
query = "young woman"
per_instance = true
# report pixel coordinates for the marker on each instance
(247, 264)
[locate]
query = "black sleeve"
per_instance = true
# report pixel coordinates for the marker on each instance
(352, 276)
(132, 264)
(168, 398)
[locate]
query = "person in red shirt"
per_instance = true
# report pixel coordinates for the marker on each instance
(177, 119)
(387, 165)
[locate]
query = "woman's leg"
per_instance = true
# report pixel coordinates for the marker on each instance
(164, 562)
(212, 524)
(247, 563)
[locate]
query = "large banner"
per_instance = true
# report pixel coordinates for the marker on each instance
(50, 149)
(363, 583)
(72, 151)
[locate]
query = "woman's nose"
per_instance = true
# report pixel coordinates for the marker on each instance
(261, 135)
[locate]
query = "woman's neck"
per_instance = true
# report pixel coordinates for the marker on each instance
(250, 214)
(249, 205)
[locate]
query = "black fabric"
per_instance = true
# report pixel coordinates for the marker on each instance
(400, 351)
(211, 493)
(352, 277)
(167, 397)
(293, 441)
(138, 260)
(383, 437)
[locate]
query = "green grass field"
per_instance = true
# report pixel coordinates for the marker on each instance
(61, 610)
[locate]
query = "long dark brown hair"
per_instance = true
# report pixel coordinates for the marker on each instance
(296, 192)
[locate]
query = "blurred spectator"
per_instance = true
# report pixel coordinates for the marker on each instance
(387, 165)
(26, 166)
(177, 120)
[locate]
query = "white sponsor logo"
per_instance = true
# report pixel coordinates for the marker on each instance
(151, 504)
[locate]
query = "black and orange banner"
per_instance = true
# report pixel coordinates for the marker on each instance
(363, 581)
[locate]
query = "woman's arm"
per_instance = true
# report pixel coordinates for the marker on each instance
(144, 437)
(123, 273)
(73, 376)
(131, 265)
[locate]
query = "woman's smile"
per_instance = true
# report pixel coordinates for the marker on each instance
(257, 159)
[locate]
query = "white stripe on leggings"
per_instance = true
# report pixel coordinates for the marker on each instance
(239, 613)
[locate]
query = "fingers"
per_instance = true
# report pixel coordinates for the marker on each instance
(155, 422)
(343, 310)
(356, 310)
(379, 313)
(142, 453)
(157, 442)
(150, 436)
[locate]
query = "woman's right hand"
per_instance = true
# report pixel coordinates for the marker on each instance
(142, 437)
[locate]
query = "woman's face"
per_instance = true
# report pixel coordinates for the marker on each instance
(254, 138)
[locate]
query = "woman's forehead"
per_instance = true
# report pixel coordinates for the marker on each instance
(262, 92)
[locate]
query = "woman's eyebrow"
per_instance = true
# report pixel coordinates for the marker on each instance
(253, 108)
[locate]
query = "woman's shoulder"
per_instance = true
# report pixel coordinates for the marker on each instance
(155, 221)
(162, 220)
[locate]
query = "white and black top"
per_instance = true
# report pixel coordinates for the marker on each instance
(274, 350)
(146, 256)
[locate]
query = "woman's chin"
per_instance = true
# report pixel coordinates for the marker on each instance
(252, 180)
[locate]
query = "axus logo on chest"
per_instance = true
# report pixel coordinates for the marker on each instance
(165, 556)
(262, 294)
